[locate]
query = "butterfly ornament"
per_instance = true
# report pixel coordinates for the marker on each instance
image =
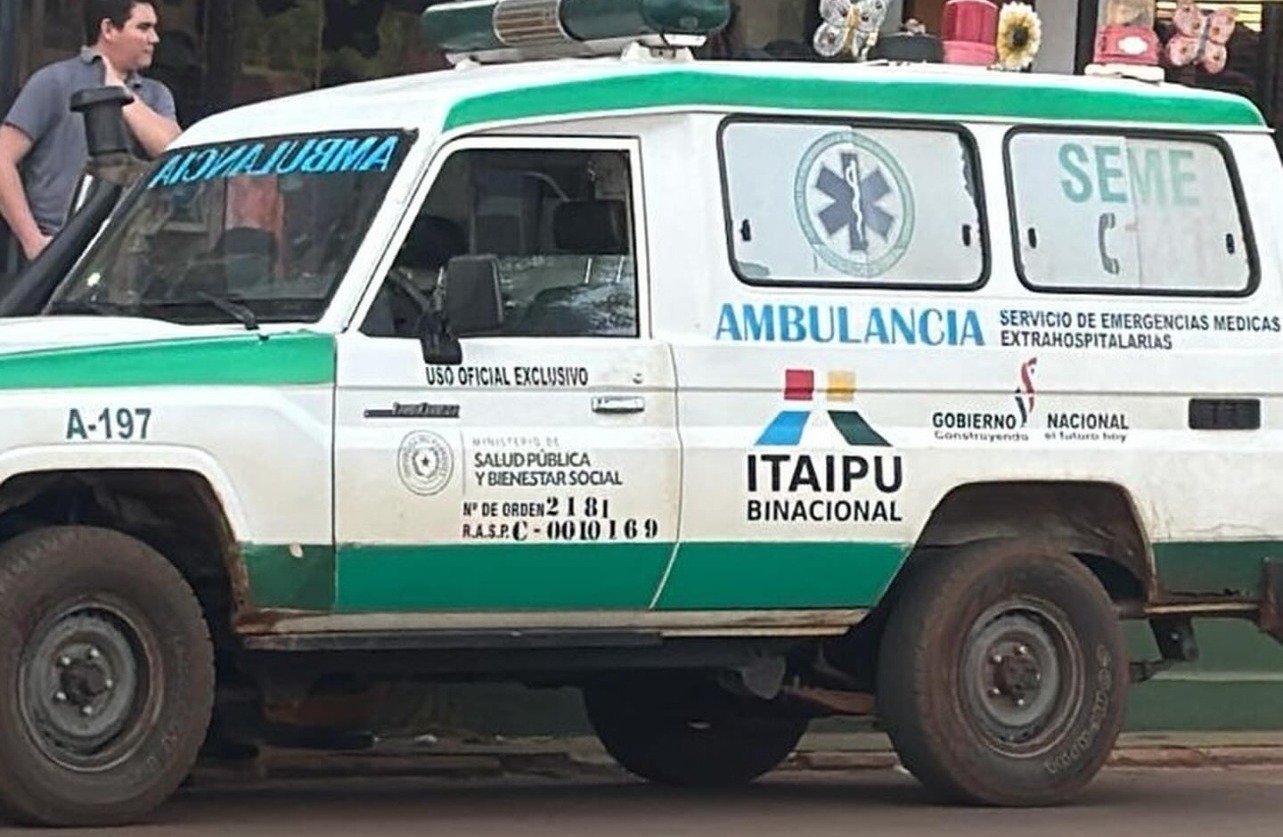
(849, 26)
(1200, 37)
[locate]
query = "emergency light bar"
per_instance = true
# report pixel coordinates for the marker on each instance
(530, 28)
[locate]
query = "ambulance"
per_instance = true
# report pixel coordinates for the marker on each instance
(734, 394)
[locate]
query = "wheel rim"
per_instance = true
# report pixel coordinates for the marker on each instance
(84, 686)
(1022, 677)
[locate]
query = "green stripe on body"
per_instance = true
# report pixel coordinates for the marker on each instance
(625, 576)
(534, 576)
(286, 579)
(780, 575)
(613, 576)
(1213, 568)
(297, 358)
(894, 93)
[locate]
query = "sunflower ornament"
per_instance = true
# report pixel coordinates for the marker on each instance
(1019, 36)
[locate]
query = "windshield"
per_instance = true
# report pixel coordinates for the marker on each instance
(250, 231)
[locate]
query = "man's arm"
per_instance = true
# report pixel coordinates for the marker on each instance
(152, 130)
(14, 145)
(30, 118)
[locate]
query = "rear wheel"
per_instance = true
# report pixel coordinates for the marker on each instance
(111, 677)
(1002, 675)
(688, 732)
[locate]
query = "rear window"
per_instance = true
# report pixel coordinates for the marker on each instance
(823, 204)
(1138, 214)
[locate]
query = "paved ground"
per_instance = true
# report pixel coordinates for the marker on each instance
(1226, 802)
(574, 756)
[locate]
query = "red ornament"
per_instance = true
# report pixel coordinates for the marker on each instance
(969, 30)
(1125, 33)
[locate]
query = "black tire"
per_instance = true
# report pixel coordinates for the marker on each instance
(112, 629)
(688, 732)
(1002, 675)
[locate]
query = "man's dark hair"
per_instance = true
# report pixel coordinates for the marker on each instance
(117, 11)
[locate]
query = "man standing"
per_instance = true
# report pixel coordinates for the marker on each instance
(42, 141)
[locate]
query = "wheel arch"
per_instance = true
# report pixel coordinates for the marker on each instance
(1095, 521)
(176, 501)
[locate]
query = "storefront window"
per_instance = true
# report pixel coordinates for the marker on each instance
(292, 47)
(1251, 52)
(1245, 66)
(216, 54)
(765, 29)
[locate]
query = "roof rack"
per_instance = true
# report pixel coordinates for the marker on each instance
(501, 31)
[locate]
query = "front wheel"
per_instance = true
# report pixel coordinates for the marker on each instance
(109, 671)
(688, 732)
(1002, 675)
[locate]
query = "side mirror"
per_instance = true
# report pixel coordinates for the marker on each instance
(105, 131)
(106, 135)
(473, 303)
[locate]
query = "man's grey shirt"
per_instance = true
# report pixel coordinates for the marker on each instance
(42, 111)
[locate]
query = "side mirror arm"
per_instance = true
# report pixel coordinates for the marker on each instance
(440, 346)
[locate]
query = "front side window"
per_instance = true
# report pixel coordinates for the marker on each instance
(822, 204)
(553, 225)
(261, 229)
(1127, 214)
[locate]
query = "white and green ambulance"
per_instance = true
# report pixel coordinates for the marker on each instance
(737, 394)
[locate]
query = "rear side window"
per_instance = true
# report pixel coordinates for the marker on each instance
(1139, 214)
(824, 204)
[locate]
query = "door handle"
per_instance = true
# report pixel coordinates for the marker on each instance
(618, 404)
(1225, 413)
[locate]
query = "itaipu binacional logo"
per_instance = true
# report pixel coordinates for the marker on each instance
(425, 463)
(854, 204)
(785, 430)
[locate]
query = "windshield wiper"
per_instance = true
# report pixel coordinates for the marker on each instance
(242, 313)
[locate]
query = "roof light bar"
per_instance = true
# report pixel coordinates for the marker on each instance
(549, 27)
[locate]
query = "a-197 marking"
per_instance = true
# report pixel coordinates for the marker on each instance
(124, 423)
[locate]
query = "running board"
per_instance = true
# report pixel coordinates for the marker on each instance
(668, 623)
(448, 640)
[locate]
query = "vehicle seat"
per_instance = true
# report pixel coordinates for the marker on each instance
(597, 229)
(591, 228)
(430, 244)
(249, 257)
